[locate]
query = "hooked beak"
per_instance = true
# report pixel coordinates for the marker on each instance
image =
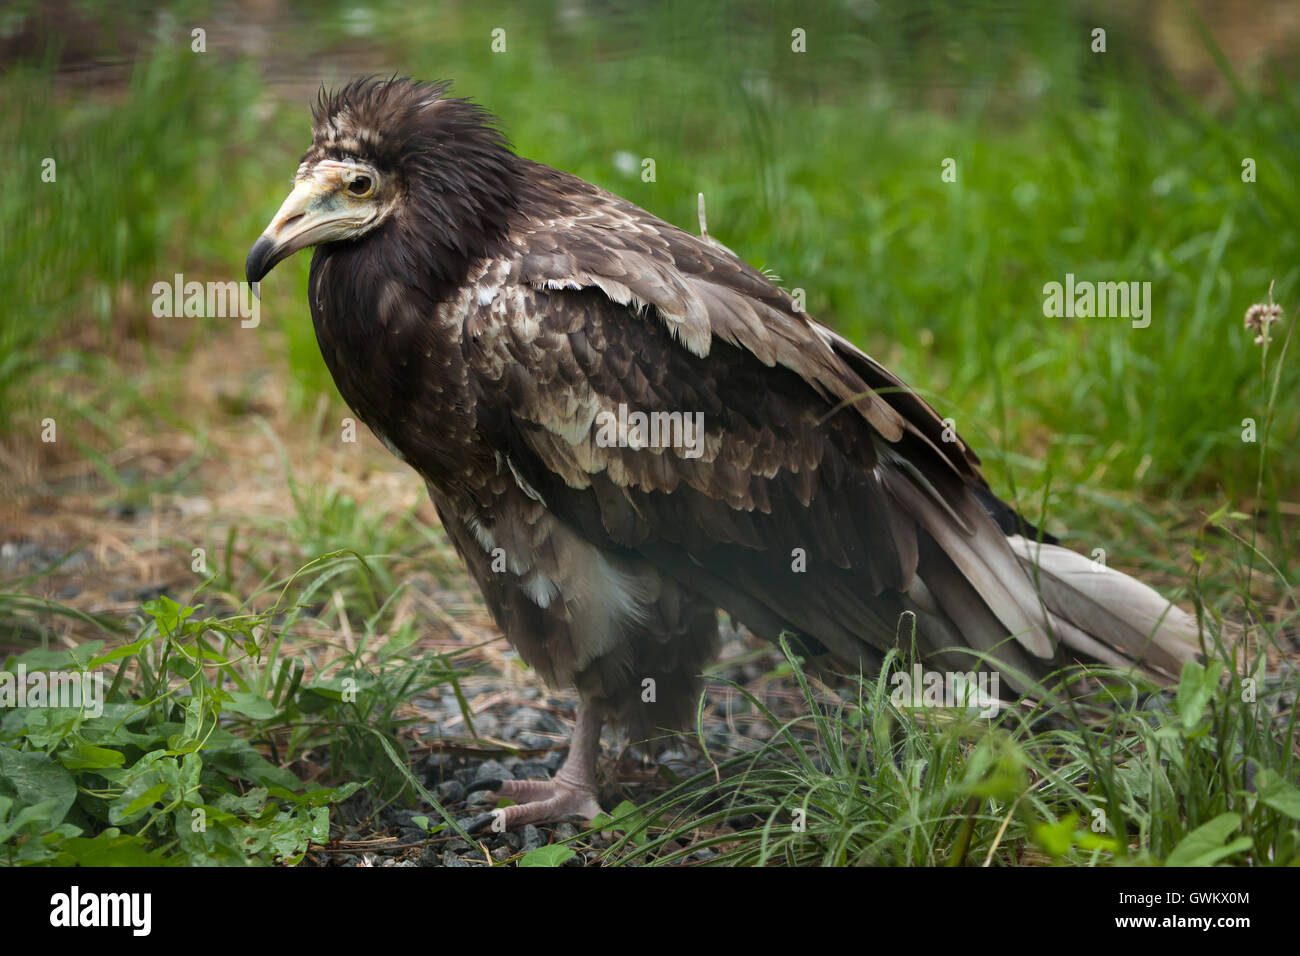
(315, 212)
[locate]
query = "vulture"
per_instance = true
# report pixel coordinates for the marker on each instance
(625, 428)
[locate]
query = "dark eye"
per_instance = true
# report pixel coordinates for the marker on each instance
(361, 186)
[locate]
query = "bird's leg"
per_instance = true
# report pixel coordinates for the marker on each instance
(572, 791)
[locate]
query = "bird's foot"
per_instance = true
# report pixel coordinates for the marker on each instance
(541, 801)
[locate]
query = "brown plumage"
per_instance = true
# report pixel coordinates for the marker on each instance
(485, 316)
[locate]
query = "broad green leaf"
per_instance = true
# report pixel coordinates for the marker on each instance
(84, 756)
(47, 659)
(250, 705)
(39, 814)
(554, 854)
(46, 727)
(35, 778)
(127, 650)
(1275, 791)
(110, 848)
(138, 797)
(1204, 846)
(1057, 838)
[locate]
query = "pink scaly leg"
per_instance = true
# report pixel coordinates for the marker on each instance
(572, 791)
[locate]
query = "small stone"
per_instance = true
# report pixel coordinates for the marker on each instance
(450, 791)
(678, 762)
(492, 770)
(547, 723)
(565, 831)
(532, 838)
(530, 770)
(434, 764)
(502, 853)
(522, 718)
(406, 818)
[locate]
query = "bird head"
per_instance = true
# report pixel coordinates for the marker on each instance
(394, 152)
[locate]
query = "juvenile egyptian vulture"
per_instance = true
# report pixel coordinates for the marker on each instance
(625, 428)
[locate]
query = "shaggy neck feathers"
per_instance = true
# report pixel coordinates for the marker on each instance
(456, 176)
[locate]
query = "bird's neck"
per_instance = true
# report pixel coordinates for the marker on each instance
(454, 215)
(377, 307)
(378, 304)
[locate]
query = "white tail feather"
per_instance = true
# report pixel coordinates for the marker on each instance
(1109, 607)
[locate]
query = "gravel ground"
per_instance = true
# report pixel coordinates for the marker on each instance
(520, 729)
(538, 724)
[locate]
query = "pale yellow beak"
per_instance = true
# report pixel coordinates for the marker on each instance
(316, 211)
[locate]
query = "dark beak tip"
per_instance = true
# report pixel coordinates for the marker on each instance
(259, 261)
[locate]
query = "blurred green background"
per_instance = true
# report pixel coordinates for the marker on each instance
(822, 166)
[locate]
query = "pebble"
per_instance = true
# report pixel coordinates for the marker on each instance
(565, 831)
(678, 762)
(530, 770)
(492, 770)
(547, 723)
(450, 791)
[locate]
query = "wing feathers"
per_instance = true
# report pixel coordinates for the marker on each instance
(809, 448)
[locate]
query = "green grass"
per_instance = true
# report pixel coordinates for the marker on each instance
(823, 167)
(186, 697)
(1195, 780)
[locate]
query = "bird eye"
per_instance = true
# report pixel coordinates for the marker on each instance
(361, 186)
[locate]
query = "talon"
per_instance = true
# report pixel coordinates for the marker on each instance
(479, 824)
(488, 783)
(571, 792)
